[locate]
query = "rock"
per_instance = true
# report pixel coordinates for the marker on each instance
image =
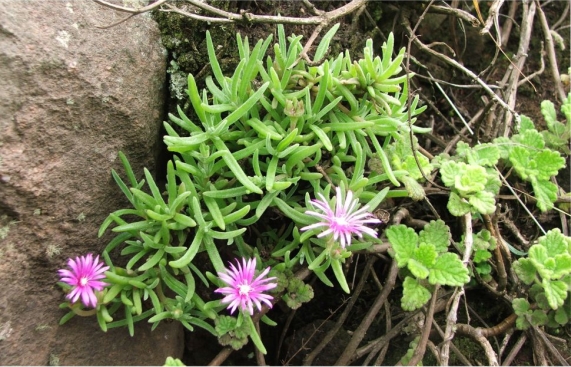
(72, 96)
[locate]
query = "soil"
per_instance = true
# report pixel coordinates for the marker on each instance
(476, 52)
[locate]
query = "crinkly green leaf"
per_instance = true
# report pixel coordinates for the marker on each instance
(449, 170)
(520, 158)
(449, 270)
(473, 179)
(525, 124)
(562, 266)
(409, 164)
(436, 233)
(525, 270)
(423, 259)
(413, 188)
(484, 155)
(458, 206)
(530, 139)
(555, 242)
(566, 108)
(484, 202)
(562, 316)
(548, 162)
(538, 318)
(403, 240)
(483, 240)
(549, 113)
(494, 183)
(555, 291)
(418, 269)
(225, 324)
(504, 146)
(545, 192)
(414, 295)
(538, 254)
(481, 255)
(520, 306)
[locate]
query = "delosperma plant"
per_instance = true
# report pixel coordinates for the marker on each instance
(278, 166)
(277, 171)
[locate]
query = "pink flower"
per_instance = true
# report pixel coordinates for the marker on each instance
(243, 290)
(84, 277)
(343, 220)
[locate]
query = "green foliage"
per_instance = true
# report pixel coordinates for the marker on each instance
(257, 145)
(472, 180)
(297, 293)
(170, 361)
(558, 133)
(547, 268)
(532, 159)
(427, 259)
(483, 244)
(232, 331)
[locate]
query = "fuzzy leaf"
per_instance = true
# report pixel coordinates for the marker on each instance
(403, 240)
(436, 233)
(484, 155)
(555, 291)
(520, 306)
(538, 255)
(530, 138)
(520, 159)
(548, 164)
(481, 255)
(525, 270)
(449, 170)
(418, 269)
(555, 242)
(562, 266)
(472, 180)
(504, 145)
(413, 188)
(414, 295)
(549, 113)
(484, 202)
(521, 323)
(449, 270)
(545, 193)
(458, 206)
(561, 316)
(538, 318)
(525, 124)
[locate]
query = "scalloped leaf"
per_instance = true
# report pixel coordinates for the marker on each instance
(449, 270)
(414, 295)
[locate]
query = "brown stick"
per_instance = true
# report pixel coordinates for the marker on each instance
(421, 347)
(360, 332)
(551, 53)
(308, 360)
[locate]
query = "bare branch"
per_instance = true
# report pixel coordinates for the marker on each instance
(551, 53)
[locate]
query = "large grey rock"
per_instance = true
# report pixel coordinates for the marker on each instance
(71, 97)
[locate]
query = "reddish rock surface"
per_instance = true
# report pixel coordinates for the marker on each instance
(72, 96)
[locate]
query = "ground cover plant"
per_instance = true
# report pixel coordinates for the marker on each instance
(293, 175)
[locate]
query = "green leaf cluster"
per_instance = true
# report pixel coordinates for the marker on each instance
(558, 133)
(547, 268)
(426, 257)
(532, 159)
(248, 156)
(473, 181)
(483, 244)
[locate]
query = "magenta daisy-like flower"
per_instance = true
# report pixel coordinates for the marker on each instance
(243, 290)
(343, 220)
(84, 277)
